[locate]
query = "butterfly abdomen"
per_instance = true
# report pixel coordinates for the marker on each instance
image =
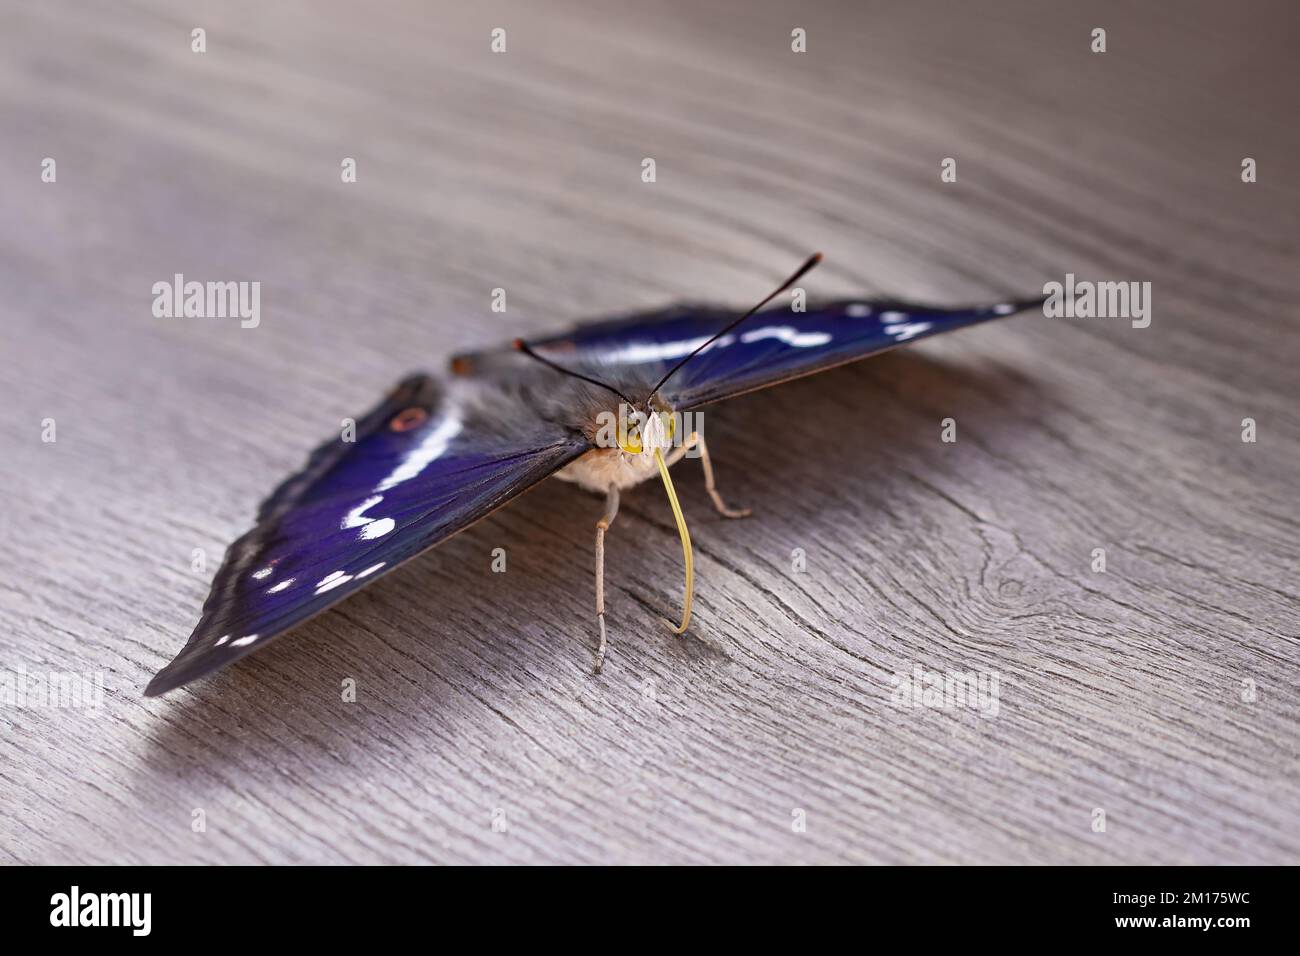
(602, 467)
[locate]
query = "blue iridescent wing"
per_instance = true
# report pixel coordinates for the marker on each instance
(428, 461)
(771, 347)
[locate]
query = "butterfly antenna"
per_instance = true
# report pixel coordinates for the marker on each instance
(811, 261)
(523, 346)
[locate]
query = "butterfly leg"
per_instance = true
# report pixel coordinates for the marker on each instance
(696, 440)
(607, 519)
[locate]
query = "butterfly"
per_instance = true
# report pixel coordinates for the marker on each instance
(606, 405)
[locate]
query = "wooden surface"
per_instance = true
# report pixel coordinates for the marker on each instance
(1121, 691)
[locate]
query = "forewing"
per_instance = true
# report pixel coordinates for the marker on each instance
(427, 462)
(771, 347)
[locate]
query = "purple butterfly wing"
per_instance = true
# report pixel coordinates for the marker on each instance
(771, 347)
(428, 461)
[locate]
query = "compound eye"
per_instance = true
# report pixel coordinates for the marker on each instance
(670, 424)
(630, 440)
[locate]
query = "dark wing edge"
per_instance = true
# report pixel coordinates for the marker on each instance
(516, 474)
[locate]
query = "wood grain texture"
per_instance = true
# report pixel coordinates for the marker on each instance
(1121, 691)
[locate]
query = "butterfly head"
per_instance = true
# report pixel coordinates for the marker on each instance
(643, 431)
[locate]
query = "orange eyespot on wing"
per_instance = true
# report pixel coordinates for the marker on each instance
(408, 418)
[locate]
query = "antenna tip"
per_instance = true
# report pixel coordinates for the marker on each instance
(517, 345)
(816, 258)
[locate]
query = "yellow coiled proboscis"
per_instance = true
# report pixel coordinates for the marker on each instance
(686, 544)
